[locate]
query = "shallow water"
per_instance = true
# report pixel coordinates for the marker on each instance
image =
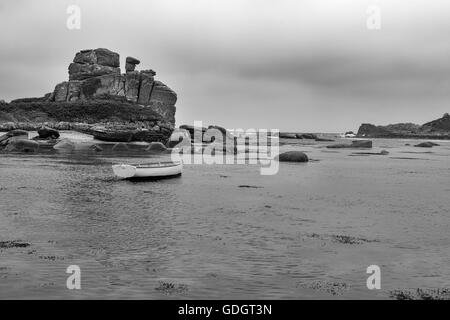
(213, 239)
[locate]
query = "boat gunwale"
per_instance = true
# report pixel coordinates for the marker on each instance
(162, 164)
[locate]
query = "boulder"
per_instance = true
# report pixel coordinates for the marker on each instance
(132, 60)
(292, 156)
(65, 145)
(13, 135)
(145, 89)
(120, 147)
(16, 133)
(427, 144)
(354, 144)
(107, 85)
(61, 91)
(132, 82)
(219, 134)
(286, 135)
(131, 63)
(96, 148)
(162, 93)
(85, 56)
(107, 57)
(156, 147)
(308, 136)
(79, 71)
(22, 145)
(74, 90)
(99, 56)
(48, 133)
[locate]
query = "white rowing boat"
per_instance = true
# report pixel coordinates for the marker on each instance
(148, 170)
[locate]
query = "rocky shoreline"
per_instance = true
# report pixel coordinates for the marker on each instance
(438, 129)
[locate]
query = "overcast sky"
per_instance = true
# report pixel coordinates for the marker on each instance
(296, 65)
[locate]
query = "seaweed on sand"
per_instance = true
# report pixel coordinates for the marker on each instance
(421, 294)
(334, 288)
(171, 288)
(13, 244)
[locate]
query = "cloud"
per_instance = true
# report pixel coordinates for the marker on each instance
(261, 59)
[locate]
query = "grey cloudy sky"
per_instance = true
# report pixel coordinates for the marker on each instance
(308, 65)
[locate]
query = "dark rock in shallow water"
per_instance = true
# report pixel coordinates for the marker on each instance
(292, 156)
(96, 148)
(381, 153)
(65, 145)
(22, 145)
(309, 136)
(354, 144)
(156, 147)
(324, 140)
(120, 147)
(17, 132)
(286, 135)
(427, 144)
(48, 133)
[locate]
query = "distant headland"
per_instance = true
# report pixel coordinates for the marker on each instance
(436, 129)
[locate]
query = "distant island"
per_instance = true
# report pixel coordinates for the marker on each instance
(98, 98)
(436, 129)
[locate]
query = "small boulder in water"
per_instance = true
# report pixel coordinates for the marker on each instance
(156, 147)
(96, 148)
(355, 144)
(48, 133)
(22, 145)
(427, 144)
(292, 156)
(120, 147)
(65, 145)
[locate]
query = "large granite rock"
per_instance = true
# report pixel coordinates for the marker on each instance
(79, 71)
(97, 94)
(99, 56)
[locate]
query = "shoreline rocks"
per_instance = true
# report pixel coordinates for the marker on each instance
(354, 144)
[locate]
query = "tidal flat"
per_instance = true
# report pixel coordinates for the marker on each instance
(225, 231)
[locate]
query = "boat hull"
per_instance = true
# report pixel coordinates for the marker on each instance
(154, 170)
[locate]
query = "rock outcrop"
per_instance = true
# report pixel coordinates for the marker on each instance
(354, 144)
(437, 129)
(292, 156)
(427, 144)
(97, 94)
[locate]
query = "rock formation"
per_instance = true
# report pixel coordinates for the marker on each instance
(292, 156)
(437, 129)
(97, 94)
(354, 144)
